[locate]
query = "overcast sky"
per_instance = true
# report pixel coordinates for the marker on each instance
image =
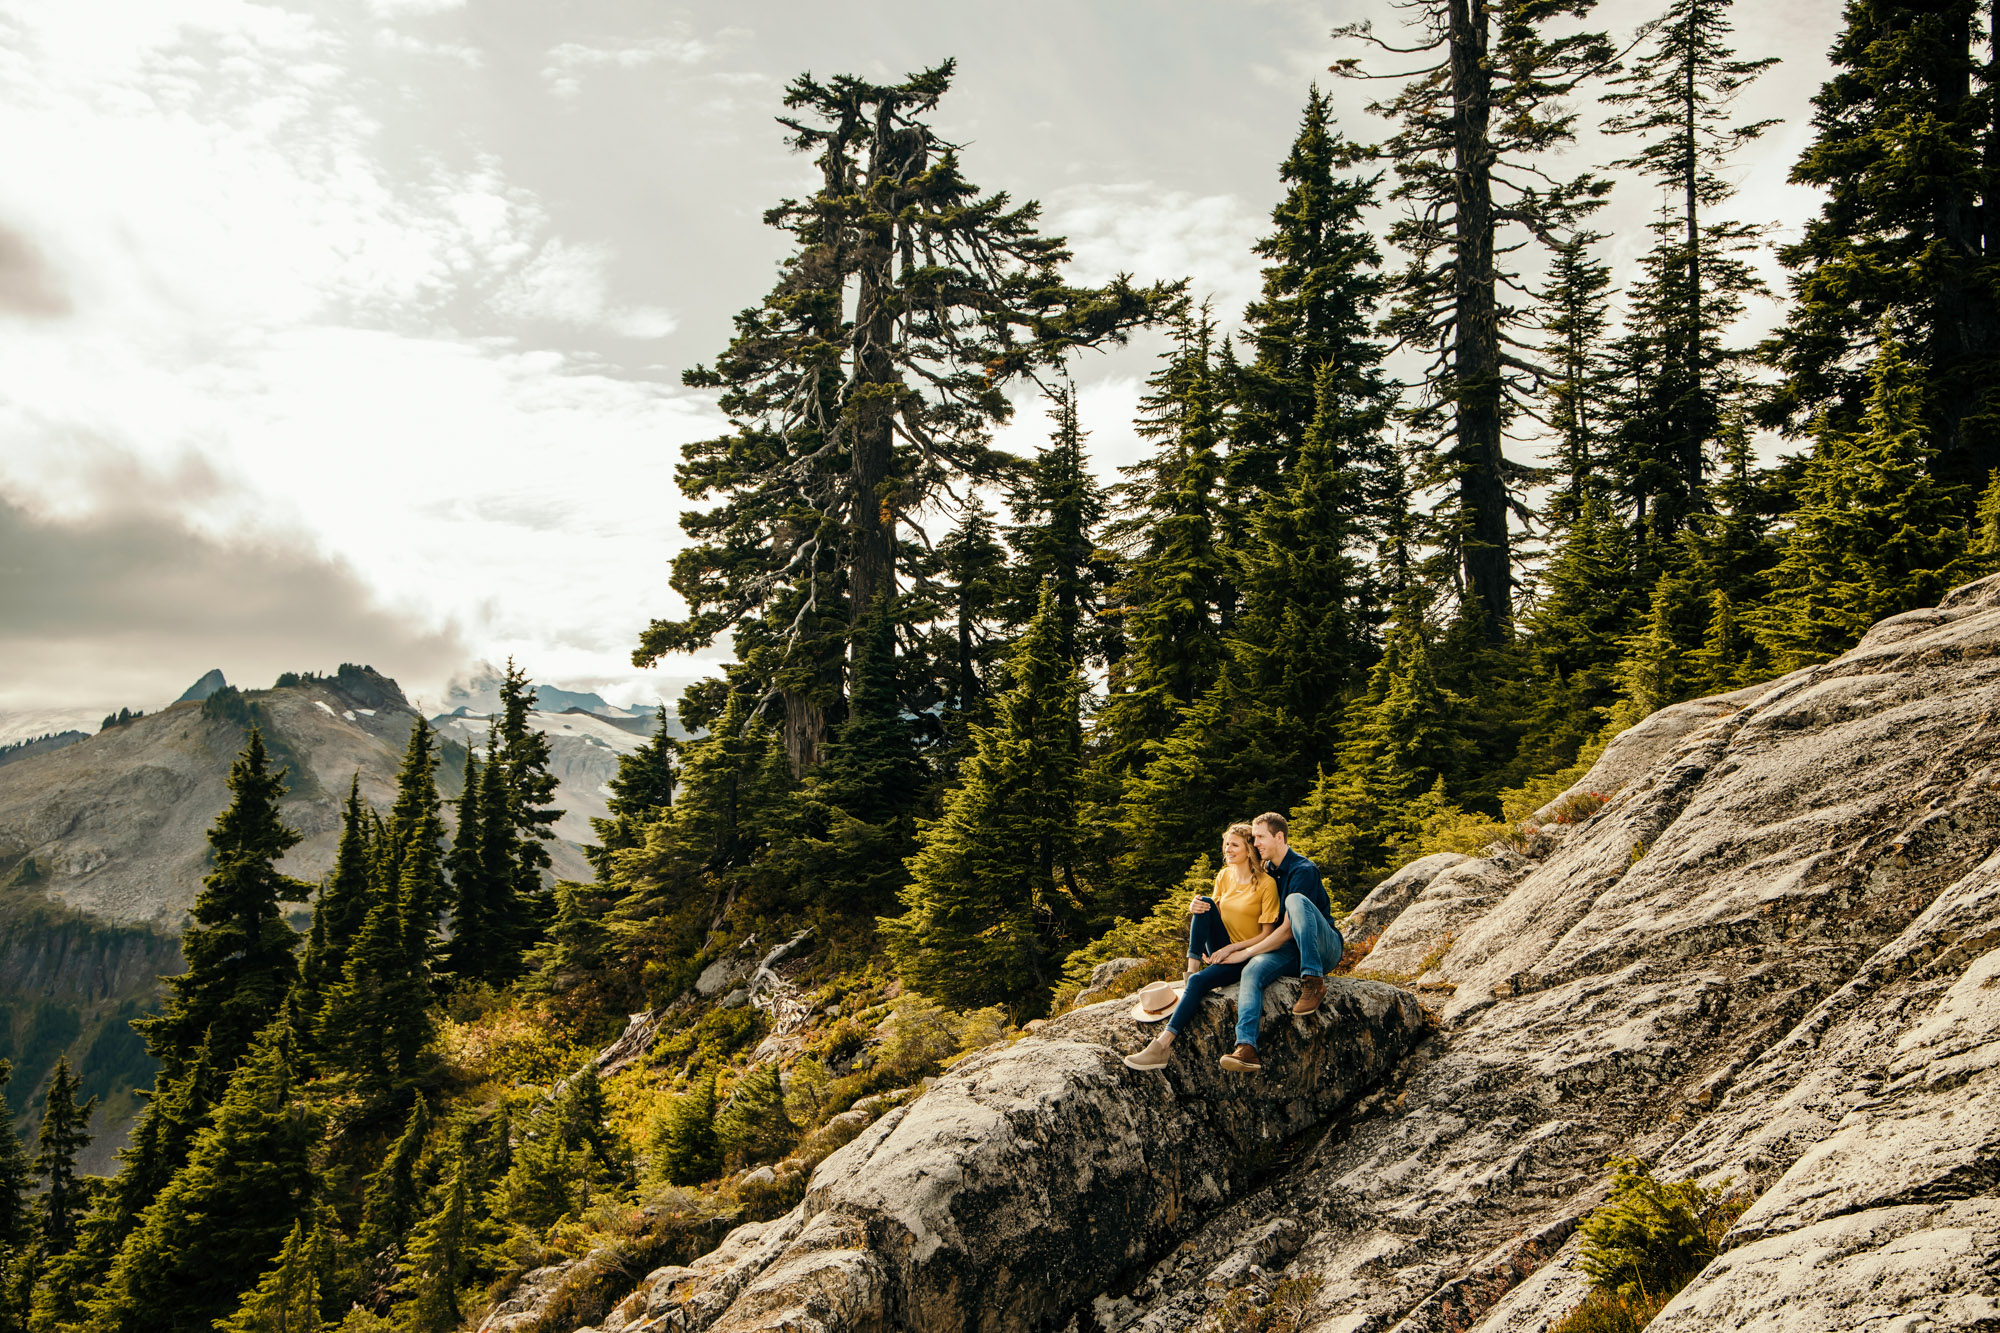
(353, 330)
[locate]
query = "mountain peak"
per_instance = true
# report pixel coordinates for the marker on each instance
(204, 687)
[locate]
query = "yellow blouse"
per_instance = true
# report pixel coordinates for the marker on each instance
(1246, 908)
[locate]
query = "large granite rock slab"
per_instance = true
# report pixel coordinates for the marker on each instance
(1765, 959)
(1034, 1175)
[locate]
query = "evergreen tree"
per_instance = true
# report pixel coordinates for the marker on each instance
(1904, 147)
(578, 947)
(1230, 752)
(849, 419)
(754, 1126)
(225, 1213)
(176, 1109)
(641, 792)
(860, 803)
(1589, 600)
(1404, 736)
(521, 906)
(1679, 91)
(685, 1150)
(15, 1231)
(472, 945)
(1472, 126)
(1310, 596)
(411, 860)
(238, 945)
(1309, 330)
(1875, 533)
(65, 1132)
(568, 1156)
(971, 575)
(714, 846)
(1573, 319)
(376, 1025)
(1171, 598)
(444, 1250)
(994, 876)
(292, 1296)
(391, 1199)
(344, 899)
(1059, 512)
(1661, 665)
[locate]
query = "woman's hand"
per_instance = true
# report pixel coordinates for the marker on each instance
(1197, 905)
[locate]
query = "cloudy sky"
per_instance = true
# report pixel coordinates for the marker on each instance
(353, 330)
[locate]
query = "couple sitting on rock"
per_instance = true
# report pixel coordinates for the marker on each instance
(1267, 918)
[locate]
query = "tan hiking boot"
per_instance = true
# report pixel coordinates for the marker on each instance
(1154, 1055)
(1243, 1060)
(1312, 994)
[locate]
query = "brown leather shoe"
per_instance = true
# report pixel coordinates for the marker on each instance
(1312, 994)
(1243, 1060)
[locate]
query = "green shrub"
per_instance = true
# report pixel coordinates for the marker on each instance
(754, 1127)
(1652, 1236)
(681, 1146)
(715, 1037)
(1608, 1312)
(1287, 1310)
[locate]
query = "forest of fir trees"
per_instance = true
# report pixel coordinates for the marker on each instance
(985, 715)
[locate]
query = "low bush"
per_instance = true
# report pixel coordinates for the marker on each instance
(1645, 1243)
(1286, 1310)
(1608, 1312)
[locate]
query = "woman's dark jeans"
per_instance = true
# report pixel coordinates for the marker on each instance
(1206, 934)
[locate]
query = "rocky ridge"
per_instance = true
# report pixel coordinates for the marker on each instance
(1770, 959)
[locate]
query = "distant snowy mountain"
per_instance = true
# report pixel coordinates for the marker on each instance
(583, 754)
(478, 693)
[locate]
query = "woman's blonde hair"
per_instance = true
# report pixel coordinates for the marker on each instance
(1246, 835)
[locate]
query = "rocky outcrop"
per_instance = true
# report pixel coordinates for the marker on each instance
(1767, 959)
(1770, 959)
(1388, 899)
(1033, 1175)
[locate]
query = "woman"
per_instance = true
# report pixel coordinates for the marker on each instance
(1223, 928)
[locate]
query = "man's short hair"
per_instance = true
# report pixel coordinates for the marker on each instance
(1275, 823)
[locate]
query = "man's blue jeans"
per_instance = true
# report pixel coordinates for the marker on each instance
(1319, 941)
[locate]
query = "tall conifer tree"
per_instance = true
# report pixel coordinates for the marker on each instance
(1313, 318)
(238, 945)
(994, 875)
(1679, 92)
(224, 1214)
(1176, 581)
(1472, 126)
(1904, 146)
(1059, 512)
(848, 420)
(1875, 533)
(64, 1134)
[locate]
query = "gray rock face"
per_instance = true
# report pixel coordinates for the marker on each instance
(1035, 1174)
(1386, 901)
(1423, 932)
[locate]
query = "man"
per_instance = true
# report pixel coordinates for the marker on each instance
(1305, 943)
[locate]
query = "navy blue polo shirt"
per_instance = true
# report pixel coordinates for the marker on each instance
(1295, 874)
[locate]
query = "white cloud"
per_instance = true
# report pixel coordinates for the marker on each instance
(1162, 234)
(569, 62)
(569, 284)
(236, 282)
(413, 8)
